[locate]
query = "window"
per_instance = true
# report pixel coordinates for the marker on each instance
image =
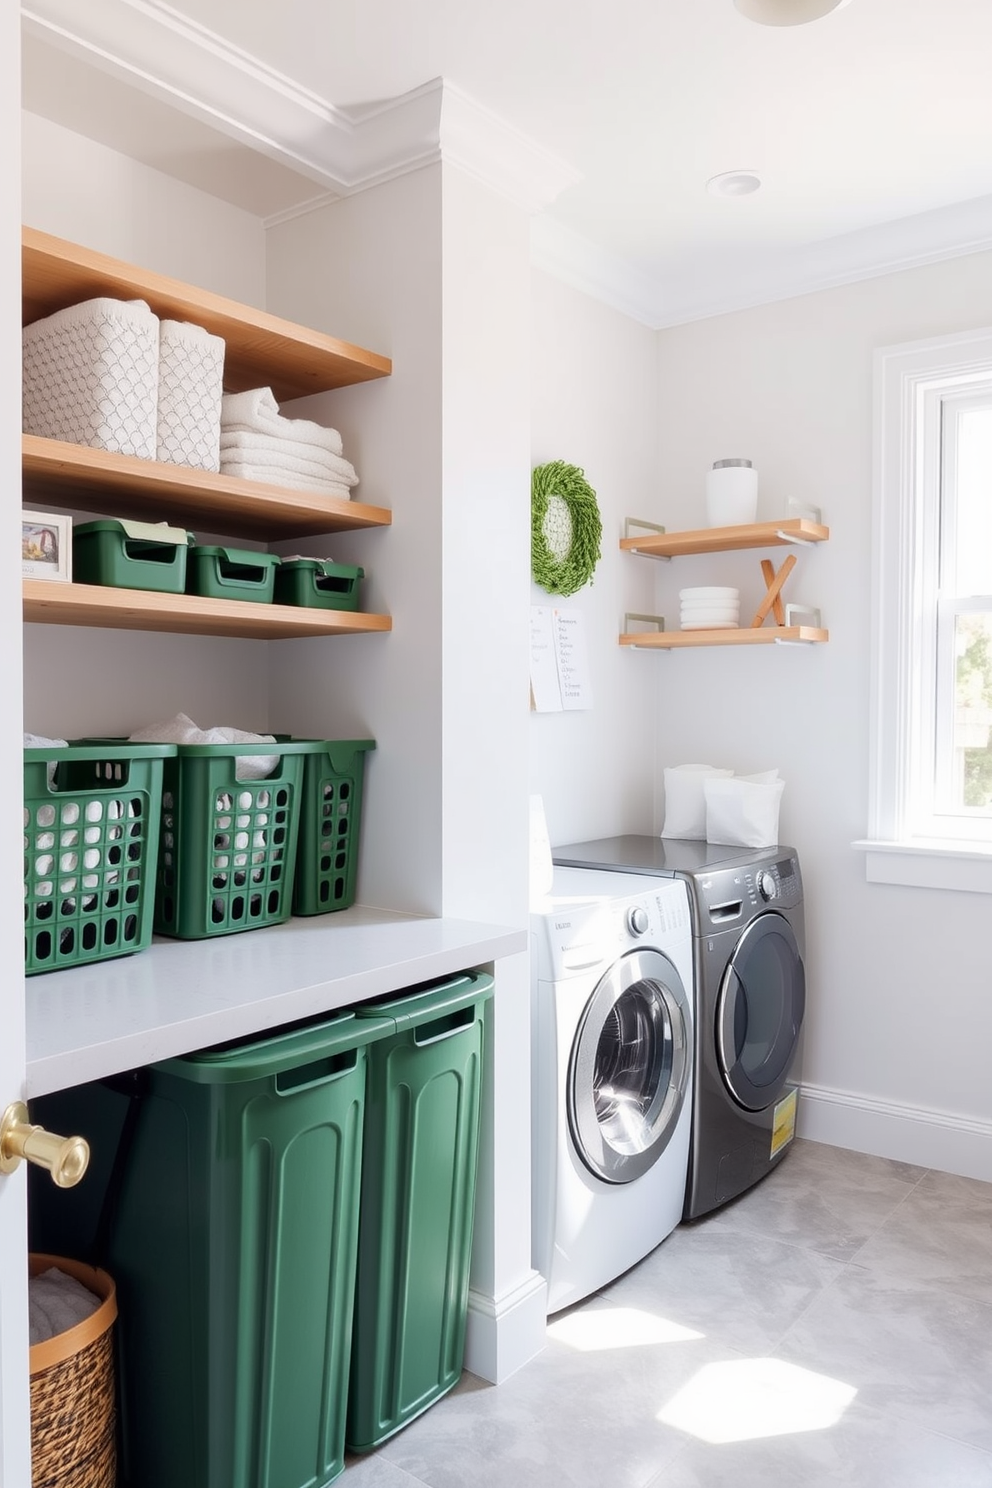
(931, 758)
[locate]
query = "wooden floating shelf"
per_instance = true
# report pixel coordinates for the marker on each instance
(84, 479)
(261, 350)
(727, 539)
(50, 602)
(672, 640)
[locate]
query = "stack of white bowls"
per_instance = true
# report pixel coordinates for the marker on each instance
(710, 608)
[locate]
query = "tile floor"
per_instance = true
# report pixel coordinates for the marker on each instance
(833, 1326)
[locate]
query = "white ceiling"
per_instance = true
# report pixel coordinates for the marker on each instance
(871, 128)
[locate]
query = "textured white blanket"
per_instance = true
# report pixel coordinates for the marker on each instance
(286, 454)
(257, 411)
(276, 475)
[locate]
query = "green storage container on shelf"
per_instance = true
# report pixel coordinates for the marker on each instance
(419, 1172)
(330, 826)
(228, 846)
(130, 555)
(318, 584)
(233, 1245)
(231, 573)
(92, 814)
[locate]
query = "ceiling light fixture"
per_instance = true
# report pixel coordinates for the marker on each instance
(787, 12)
(734, 183)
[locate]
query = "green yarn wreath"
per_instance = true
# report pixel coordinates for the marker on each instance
(563, 566)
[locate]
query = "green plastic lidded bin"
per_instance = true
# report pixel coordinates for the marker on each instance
(231, 573)
(130, 555)
(234, 1250)
(419, 1174)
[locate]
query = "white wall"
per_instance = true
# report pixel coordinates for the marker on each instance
(898, 978)
(433, 270)
(595, 406)
(368, 269)
(80, 682)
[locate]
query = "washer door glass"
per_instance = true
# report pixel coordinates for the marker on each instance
(760, 1011)
(629, 1067)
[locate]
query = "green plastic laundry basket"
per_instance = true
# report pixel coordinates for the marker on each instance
(419, 1175)
(227, 854)
(330, 824)
(91, 829)
(234, 1248)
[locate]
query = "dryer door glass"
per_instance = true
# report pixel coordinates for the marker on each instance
(760, 1011)
(629, 1067)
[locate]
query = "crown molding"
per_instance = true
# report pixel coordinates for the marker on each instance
(146, 44)
(907, 243)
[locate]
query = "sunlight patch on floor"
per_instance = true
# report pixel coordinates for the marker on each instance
(744, 1399)
(616, 1327)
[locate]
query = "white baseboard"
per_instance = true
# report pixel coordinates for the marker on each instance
(930, 1139)
(503, 1333)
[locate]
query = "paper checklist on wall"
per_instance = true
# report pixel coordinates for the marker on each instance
(559, 665)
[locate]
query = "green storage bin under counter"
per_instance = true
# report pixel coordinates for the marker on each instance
(231, 573)
(422, 1115)
(130, 555)
(234, 1248)
(318, 584)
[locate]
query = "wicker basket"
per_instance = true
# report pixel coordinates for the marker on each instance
(73, 1417)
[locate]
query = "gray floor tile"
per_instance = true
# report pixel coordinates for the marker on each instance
(862, 1450)
(376, 1471)
(831, 1328)
(585, 1412)
(823, 1198)
(744, 1290)
(941, 1235)
(917, 1353)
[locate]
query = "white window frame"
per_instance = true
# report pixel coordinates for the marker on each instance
(910, 381)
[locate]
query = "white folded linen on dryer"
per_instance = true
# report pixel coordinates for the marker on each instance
(182, 730)
(256, 411)
(56, 1303)
(285, 454)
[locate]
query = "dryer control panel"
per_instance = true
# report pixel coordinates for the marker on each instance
(733, 895)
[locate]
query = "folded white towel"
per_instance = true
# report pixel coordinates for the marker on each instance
(39, 741)
(276, 475)
(182, 730)
(257, 411)
(56, 1303)
(262, 449)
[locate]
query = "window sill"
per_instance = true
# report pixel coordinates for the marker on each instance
(961, 866)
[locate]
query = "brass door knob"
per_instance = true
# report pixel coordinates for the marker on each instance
(66, 1158)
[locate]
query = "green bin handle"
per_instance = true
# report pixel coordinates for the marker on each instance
(266, 1057)
(418, 1007)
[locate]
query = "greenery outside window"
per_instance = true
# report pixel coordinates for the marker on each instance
(931, 757)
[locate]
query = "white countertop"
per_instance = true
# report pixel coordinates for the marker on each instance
(175, 996)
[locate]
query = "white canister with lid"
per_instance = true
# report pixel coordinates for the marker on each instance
(731, 493)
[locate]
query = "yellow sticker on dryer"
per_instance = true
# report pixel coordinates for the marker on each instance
(784, 1122)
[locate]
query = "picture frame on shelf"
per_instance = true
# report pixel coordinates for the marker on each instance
(46, 546)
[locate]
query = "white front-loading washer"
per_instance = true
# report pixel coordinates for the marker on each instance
(611, 1074)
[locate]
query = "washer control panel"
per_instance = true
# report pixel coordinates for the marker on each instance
(591, 917)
